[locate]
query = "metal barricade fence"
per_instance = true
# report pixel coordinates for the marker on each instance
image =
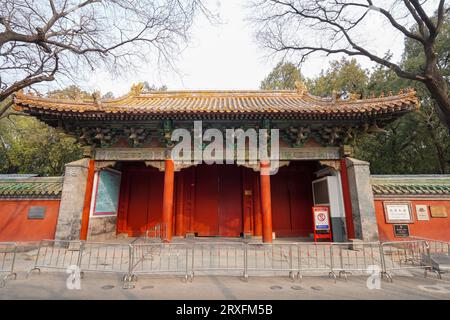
(219, 258)
(144, 256)
(263, 259)
(158, 232)
(350, 258)
(7, 260)
(158, 258)
(104, 257)
(439, 254)
(436, 246)
(405, 255)
(57, 254)
(439, 247)
(315, 258)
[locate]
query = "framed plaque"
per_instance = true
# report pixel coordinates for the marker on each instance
(401, 230)
(36, 213)
(398, 212)
(422, 212)
(439, 211)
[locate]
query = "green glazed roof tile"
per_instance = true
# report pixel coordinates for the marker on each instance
(34, 187)
(411, 185)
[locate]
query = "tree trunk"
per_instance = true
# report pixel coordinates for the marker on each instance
(439, 92)
(5, 108)
(440, 153)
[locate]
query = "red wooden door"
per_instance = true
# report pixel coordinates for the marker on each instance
(206, 222)
(145, 200)
(155, 198)
(230, 203)
(218, 201)
(292, 200)
(137, 203)
(281, 210)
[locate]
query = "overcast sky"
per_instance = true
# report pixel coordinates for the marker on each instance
(226, 56)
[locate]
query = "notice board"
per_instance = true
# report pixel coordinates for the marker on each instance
(322, 226)
(107, 193)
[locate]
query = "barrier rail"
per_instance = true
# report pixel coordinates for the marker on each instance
(439, 254)
(159, 231)
(104, 257)
(405, 255)
(7, 260)
(436, 246)
(144, 256)
(439, 247)
(349, 258)
(220, 258)
(158, 258)
(315, 258)
(291, 258)
(57, 254)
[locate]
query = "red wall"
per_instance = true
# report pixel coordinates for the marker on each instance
(15, 225)
(435, 228)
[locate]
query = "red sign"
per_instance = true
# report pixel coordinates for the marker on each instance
(322, 225)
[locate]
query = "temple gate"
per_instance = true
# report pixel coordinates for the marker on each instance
(128, 183)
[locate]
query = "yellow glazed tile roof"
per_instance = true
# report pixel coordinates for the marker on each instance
(220, 102)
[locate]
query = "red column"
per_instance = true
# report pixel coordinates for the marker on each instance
(169, 177)
(347, 201)
(266, 202)
(87, 201)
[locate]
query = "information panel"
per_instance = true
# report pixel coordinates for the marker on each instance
(401, 230)
(322, 227)
(398, 212)
(107, 195)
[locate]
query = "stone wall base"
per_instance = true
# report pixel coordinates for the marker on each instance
(103, 228)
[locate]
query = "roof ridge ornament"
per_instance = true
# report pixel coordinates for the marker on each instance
(336, 96)
(354, 96)
(136, 89)
(20, 92)
(301, 87)
(411, 91)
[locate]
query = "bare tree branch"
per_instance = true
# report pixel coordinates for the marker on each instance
(42, 40)
(285, 26)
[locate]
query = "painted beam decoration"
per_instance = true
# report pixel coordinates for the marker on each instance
(148, 154)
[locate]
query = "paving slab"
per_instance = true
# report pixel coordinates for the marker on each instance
(109, 286)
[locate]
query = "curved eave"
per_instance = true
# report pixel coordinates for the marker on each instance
(233, 104)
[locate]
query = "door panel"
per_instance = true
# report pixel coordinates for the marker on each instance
(301, 202)
(155, 198)
(145, 200)
(281, 211)
(206, 222)
(218, 201)
(137, 208)
(292, 200)
(230, 204)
